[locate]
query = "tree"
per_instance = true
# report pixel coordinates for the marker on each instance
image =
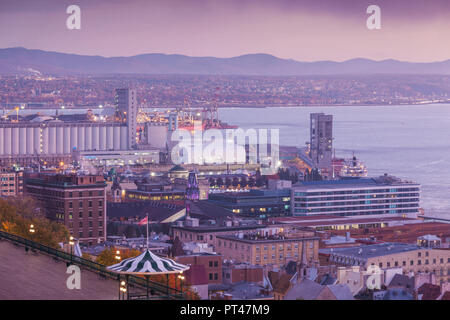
(16, 217)
(108, 256)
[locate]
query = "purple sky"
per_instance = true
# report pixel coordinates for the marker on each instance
(306, 30)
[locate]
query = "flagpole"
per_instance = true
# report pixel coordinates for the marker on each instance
(147, 231)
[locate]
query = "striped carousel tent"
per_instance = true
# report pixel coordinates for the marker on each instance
(148, 263)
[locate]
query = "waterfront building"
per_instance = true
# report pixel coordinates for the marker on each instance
(77, 201)
(255, 203)
(360, 196)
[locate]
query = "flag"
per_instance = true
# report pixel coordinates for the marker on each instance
(143, 221)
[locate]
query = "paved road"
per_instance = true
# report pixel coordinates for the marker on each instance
(37, 276)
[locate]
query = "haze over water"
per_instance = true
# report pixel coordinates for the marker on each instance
(411, 142)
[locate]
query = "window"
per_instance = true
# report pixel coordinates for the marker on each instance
(216, 264)
(80, 194)
(216, 276)
(90, 204)
(210, 264)
(210, 276)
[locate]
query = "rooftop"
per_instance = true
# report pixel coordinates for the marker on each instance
(385, 180)
(266, 239)
(372, 250)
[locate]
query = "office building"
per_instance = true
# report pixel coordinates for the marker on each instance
(360, 196)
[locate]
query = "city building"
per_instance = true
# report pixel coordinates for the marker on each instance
(126, 104)
(274, 251)
(11, 183)
(77, 201)
(409, 257)
(209, 233)
(148, 191)
(255, 203)
(242, 272)
(212, 264)
(360, 196)
(321, 142)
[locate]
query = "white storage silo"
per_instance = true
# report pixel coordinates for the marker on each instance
(30, 140)
(52, 140)
(88, 138)
(109, 138)
(73, 137)
(37, 136)
(123, 138)
(95, 137)
(66, 139)
(102, 137)
(45, 135)
(81, 138)
(7, 138)
(156, 135)
(116, 138)
(59, 140)
(15, 140)
(2, 141)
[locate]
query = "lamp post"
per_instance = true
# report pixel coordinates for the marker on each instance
(117, 257)
(123, 290)
(181, 277)
(71, 243)
(32, 230)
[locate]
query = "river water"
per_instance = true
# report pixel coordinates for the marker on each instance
(411, 142)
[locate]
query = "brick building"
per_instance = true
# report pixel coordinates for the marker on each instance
(11, 183)
(77, 201)
(212, 264)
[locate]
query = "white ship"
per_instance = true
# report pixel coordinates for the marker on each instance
(353, 168)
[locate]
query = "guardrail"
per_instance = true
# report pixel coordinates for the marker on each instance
(157, 288)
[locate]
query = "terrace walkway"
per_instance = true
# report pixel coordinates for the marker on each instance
(32, 275)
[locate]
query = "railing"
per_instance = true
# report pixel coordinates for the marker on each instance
(160, 290)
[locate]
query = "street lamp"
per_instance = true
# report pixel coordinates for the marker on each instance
(123, 289)
(181, 277)
(71, 243)
(32, 230)
(117, 257)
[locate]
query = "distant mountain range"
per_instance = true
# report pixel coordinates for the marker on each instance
(25, 61)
